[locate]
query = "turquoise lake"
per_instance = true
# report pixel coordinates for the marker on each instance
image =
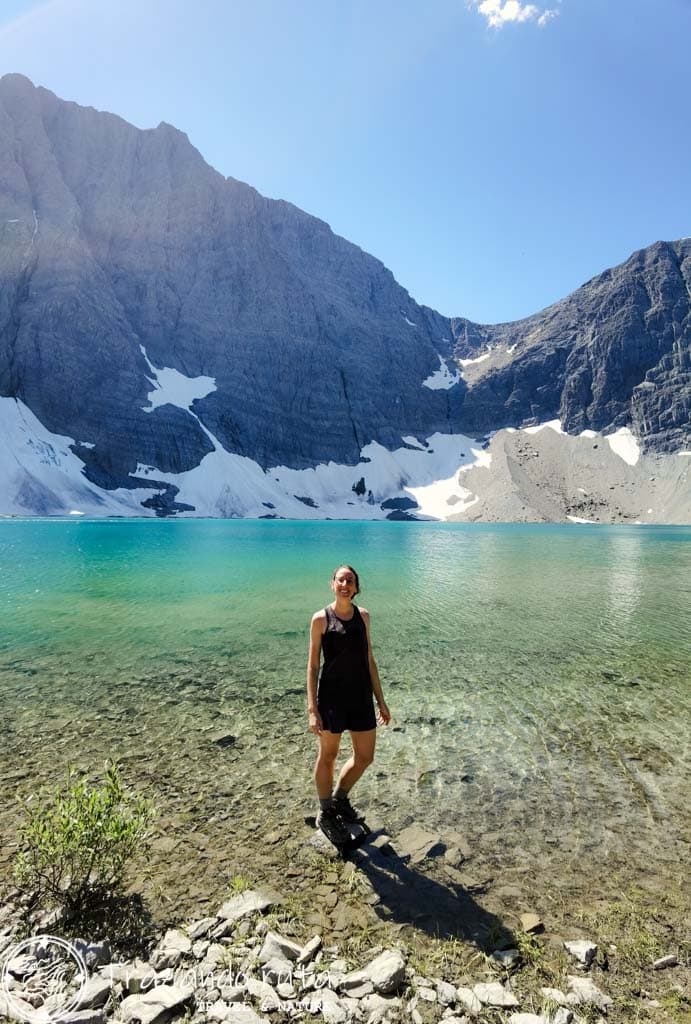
(538, 677)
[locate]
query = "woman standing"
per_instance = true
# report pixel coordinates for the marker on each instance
(342, 700)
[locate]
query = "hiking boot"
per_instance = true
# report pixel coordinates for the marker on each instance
(330, 824)
(346, 811)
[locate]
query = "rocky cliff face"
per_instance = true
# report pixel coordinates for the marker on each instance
(615, 353)
(116, 239)
(123, 253)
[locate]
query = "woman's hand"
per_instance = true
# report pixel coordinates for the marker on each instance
(383, 713)
(315, 722)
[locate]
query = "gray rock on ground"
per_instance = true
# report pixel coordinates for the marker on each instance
(243, 1015)
(232, 993)
(276, 946)
(356, 984)
(245, 903)
(15, 1008)
(218, 1010)
(493, 993)
(555, 995)
(583, 950)
(387, 971)
(561, 1016)
(264, 993)
(94, 994)
(134, 977)
(326, 1003)
(171, 950)
(310, 950)
(156, 1006)
(428, 995)
(200, 929)
(468, 999)
(506, 958)
(277, 971)
(582, 990)
(375, 1002)
(95, 954)
(670, 960)
(91, 1016)
(446, 993)
(416, 843)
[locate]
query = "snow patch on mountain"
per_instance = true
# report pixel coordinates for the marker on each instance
(173, 388)
(430, 478)
(477, 359)
(43, 476)
(443, 378)
(554, 425)
(625, 445)
(403, 472)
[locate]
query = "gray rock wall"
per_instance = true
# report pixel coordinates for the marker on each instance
(614, 353)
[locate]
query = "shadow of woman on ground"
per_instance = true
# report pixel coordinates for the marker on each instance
(443, 910)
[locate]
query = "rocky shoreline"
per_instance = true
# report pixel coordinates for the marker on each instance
(260, 957)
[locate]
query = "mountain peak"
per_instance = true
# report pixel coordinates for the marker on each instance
(16, 86)
(169, 129)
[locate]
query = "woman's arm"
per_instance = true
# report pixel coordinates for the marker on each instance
(384, 713)
(316, 633)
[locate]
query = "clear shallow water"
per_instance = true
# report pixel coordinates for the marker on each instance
(539, 678)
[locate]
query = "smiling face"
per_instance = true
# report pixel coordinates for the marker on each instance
(345, 582)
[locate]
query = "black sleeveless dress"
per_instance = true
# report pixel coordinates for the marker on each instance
(344, 694)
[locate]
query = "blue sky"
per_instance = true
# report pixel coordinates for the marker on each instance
(494, 154)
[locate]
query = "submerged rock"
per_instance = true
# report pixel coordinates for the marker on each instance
(417, 844)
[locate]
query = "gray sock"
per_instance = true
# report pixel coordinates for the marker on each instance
(340, 793)
(325, 804)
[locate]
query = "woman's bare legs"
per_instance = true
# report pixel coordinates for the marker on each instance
(359, 760)
(329, 743)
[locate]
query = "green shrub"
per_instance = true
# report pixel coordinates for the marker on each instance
(78, 841)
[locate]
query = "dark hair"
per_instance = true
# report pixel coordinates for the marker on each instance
(350, 569)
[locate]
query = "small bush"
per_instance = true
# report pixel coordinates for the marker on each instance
(78, 841)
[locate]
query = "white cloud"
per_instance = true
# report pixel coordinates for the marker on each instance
(547, 16)
(501, 12)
